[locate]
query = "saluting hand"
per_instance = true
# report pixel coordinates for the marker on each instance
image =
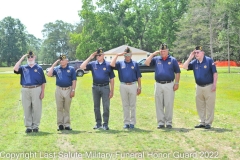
(156, 53)
(192, 54)
(121, 54)
(93, 55)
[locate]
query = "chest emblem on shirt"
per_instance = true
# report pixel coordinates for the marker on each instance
(169, 63)
(68, 71)
(132, 67)
(205, 66)
(104, 68)
(35, 70)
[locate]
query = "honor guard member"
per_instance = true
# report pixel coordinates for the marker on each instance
(205, 74)
(102, 75)
(166, 71)
(65, 90)
(33, 85)
(130, 85)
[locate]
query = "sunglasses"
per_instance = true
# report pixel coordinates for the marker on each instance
(29, 56)
(196, 52)
(98, 55)
(127, 54)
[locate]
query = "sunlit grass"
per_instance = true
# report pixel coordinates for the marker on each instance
(223, 138)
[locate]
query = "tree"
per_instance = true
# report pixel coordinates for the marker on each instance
(13, 40)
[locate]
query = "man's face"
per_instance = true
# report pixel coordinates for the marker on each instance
(127, 56)
(31, 59)
(198, 54)
(164, 52)
(100, 57)
(63, 62)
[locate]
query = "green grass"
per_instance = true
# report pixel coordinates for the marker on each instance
(222, 141)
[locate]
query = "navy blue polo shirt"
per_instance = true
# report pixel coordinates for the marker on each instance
(128, 71)
(165, 69)
(31, 76)
(101, 73)
(64, 76)
(203, 72)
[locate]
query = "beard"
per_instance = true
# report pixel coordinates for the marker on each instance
(30, 62)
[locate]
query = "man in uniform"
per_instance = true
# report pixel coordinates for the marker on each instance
(130, 85)
(33, 85)
(205, 74)
(65, 90)
(102, 74)
(166, 71)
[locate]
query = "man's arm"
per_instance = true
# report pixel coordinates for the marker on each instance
(50, 71)
(186, 63)
(149, 59)
(42, 92)
(176, 83)
(139, 89)
(72, 94)
(17, 65)
(113, 62)
(84, 64)
(111, 88)
(215, 77)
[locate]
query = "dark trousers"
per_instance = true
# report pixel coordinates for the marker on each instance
(101, 92)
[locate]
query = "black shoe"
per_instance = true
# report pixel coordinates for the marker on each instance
(126, 126)
(28, 130)
(207, 126)
(60, 128)
(68, 128)
(131, 126)
(169, 126)
(200, 126)
(105, 127)
(35, 130)
(97, 126)
(160, 126)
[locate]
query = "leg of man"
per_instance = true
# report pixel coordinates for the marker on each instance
(132, 102)
(59, 102)
(210, 104)
(168, 102)
(27, 107)
(125, 103)
(105, 90)
(200, 103)
(96, 99)
(66, 107)
(37, 106)
(158, 92)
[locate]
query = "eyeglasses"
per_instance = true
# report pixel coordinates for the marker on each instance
(196, 52)
(127, 54)
(29, 56)
(98, 55)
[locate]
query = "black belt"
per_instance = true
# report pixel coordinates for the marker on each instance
(100, 85)
(204, 85)
(164, 82)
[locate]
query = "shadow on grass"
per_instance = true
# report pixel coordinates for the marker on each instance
(219, 130)
(70, 132)
(112, 131)
(40, 133)
(176, 130)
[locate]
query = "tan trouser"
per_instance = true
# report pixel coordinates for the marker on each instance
(63, 102)
(164, 98)
(32, 106)
(129, 97)
(205, 102)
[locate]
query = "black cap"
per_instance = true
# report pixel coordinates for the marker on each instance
(100, 51)
(163, 46)
(62, 56)
(198, 48)
(127, 50)
(30, 53)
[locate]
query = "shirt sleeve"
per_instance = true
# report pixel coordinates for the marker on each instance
(138, 70)
(111, 74)
(89, 66)
(19, 70)
(74, 76)
(153, 62)
(43, 76)
(190, 66)
(176, 66)
(213, 66)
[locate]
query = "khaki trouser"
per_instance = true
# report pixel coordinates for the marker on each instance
(164, 98)
(32, 106)
(63, 102)
(129, 97)
(205, 102)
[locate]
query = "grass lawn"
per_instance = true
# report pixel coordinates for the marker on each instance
(183, 141)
